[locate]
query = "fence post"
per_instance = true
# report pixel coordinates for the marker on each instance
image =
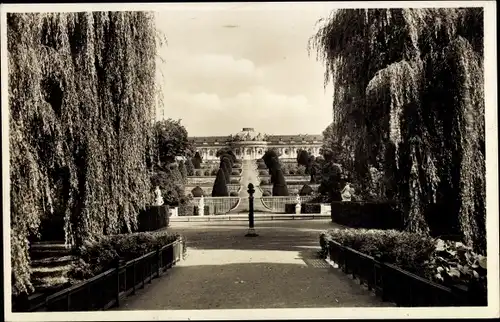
(158, 260)
(117, 267)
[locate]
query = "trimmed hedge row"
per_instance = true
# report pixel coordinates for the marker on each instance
(153, 218)
(306, 208)
(371, 215)
(97, 257)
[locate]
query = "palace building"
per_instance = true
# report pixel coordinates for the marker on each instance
(251, 145)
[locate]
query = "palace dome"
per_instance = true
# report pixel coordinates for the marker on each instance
(249, 134)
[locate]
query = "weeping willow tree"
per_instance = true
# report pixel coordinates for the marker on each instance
(81, 97)
(408, 100)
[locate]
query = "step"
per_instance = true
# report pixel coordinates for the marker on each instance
(46, 284)
(53, 261)
(55, 271)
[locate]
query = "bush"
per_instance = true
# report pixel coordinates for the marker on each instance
(310, 208)
(261, 166)
(97, 257)
(213, 172)
(373, 215)
(289, 208)
(220, 186)
(207, 172)
(266, 193)
(279, 187)
(189, 167)
(263, 173)
(235, 172)
(153, 218)
(306, 190)
(445, 262)
(237, 166)
(197, 192)
(234, 181)
(198, 173)
(264, 182)
(206, 211)
(233, 194)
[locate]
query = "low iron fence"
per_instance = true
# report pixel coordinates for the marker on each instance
(394, 284)
(107, 289)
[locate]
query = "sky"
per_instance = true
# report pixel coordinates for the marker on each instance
(227, 66)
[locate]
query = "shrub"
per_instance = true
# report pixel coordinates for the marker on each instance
(310, 208)
(197, 192)
(279, 187)
(234, 181)
(237, 166)
(207, 172)
(445, 262)
(197, 160)
(266, 193)
(289, 208)
(261, 166)
(153, 218)
(301, 170)
(213, 172)
(97, 257)
(233, 194)
(189, 167)
(220, 186)
(306, 190)
(263, 173)
(264, 182)
(235, 172)
(367, 215)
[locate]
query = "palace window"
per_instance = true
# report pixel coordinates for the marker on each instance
(287, 151)
(249, 152)
(211, 152)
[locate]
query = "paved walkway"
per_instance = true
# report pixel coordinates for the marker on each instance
(249, 174)
(225, 270)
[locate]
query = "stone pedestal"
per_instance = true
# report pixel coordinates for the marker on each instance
(326, 209)
(174, 212)
(297, 209)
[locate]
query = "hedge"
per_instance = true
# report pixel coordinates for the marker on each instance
(266, 193)
(197, 192)
(234, 181)
(235, 172)
(441, 261)
(306, 208)
(153, 218)
(263, 173)
(373, 215)
(233, 194)
(97, 257)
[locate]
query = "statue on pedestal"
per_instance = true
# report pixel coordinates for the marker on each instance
(298, 205)
(159, 198)
(201, 206)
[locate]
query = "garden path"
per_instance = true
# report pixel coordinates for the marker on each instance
(277, 269)
(249, 174)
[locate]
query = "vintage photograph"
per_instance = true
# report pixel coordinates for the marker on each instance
(239, 157)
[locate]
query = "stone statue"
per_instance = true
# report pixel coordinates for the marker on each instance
(298, 205)
(201, 206)
(346, 193)
(159, 198)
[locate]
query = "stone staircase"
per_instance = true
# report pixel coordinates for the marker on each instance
(50, 263)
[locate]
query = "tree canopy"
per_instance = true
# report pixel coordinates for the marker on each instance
(81, 98)
(171, 141)
(408, 100)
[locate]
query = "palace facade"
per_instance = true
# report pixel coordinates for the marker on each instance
(251, 145)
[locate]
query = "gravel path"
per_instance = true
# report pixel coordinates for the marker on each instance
(225, 270)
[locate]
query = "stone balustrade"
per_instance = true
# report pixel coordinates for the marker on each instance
(277, 204)
(208, 188)
(216, 205)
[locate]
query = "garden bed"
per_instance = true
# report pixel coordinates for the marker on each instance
(409, 269)
(110, 269)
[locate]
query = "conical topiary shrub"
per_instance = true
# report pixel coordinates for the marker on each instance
(220, 186)
(306, 190)
(279, 187)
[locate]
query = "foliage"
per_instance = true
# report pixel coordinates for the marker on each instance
(406, 250)
(303, 158)
(183, 171)
(409, 101)
(306, 190)
(197, 160)
(189, 167)
(331, 181)
(227, 151)
(378, 215)
(98, 256)
(220, 186)
(81, 96)
(266, 193)
(171, 140)
(279, 185)
(442, 261)
(233, 194)
(171, 184)
(197, 192)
